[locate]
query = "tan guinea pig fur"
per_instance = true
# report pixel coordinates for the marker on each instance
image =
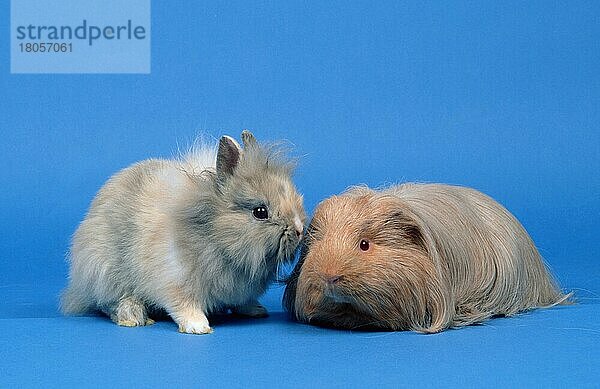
(421, 257)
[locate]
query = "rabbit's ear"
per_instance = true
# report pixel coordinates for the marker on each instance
(248, 139)
(228, 156)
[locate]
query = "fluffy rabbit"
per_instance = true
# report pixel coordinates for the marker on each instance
(421, 257)
(187, 237)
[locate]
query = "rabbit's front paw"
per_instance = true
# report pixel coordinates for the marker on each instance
(194, 325)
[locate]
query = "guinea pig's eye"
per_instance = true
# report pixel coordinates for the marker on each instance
(261, 212)
(364, 245)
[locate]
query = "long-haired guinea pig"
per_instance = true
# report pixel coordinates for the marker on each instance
(188, 237)
(421, 257)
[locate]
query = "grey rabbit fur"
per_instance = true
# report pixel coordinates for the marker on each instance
(188, 237)
(421, 257)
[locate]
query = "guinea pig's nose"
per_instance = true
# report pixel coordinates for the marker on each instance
(332, 279)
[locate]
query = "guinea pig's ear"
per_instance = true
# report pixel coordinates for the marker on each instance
(248, 139)
(399, 223)
(228, 156)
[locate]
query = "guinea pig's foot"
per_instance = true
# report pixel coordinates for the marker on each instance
(251, 310)
(131, 312)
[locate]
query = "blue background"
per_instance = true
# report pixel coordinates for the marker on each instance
(500, 96)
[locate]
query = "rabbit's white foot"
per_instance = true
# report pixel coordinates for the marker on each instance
(192, 322)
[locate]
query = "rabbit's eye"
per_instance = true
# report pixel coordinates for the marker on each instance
(364, 245)
(260, 213)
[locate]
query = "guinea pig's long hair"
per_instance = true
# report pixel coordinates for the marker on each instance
(442, 256)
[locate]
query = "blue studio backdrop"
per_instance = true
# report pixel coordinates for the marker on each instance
(500, 96)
